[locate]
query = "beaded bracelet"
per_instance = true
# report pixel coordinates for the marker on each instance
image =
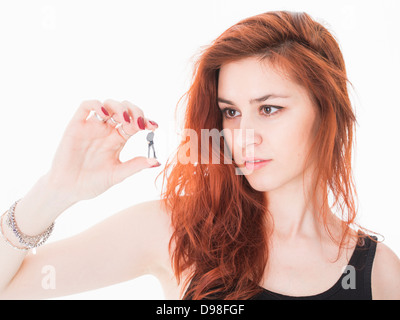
(29, 242)
(9, 243)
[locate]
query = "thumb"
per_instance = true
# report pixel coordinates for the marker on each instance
(130, 167)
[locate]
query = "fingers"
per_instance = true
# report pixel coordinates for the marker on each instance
(126, 117)
(138, 118)
(129, 168)
(81, 115)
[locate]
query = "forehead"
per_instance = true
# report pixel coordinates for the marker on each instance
(254, 77)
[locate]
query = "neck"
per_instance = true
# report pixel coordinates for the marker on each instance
(291, 209)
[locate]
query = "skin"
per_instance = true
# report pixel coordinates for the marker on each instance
(135, 241)
(300, 246)
(283, 135)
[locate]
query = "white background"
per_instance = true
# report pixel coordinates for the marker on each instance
(55, 54)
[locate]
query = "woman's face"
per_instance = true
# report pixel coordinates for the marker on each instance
(279, 114)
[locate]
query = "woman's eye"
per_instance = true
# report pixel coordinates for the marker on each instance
(268, 111)
(229, 113)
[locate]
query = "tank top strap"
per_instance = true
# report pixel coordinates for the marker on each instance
(362, 261)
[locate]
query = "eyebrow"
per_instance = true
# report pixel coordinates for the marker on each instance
(252, 101)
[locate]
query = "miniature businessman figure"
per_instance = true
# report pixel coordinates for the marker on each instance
(150, 142)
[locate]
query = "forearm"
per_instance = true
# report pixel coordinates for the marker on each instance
(34, 213)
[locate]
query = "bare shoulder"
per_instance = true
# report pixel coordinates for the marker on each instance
(154, 222)
(385, 274)
(142, 233)
(157, 231)
(154, 213)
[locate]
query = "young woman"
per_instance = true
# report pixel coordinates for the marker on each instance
(258, 227)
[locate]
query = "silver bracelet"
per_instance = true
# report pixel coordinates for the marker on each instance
(9, 243)
(29, 242)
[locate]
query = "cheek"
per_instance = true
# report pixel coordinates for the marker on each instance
(293, 141)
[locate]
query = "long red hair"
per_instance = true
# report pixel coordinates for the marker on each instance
(221, 224)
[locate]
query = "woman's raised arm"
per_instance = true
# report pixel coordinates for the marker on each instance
(85, 165)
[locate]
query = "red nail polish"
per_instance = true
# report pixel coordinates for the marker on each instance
(140, 122)
(156, 165)
(153, 123)
(126, 117)
(105, 111)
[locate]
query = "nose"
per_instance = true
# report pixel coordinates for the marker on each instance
(246, 141)
(247, 137)
(244, 137)
(249, 132)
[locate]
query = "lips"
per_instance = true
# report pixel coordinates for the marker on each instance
(250, 160)
(256, 163)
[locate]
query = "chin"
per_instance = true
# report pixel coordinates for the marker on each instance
(262, 184)
(268, 183)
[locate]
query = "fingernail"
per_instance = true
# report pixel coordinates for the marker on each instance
(140, 122)
(154, 162)
(126, 117)
(105, 111)
(153, 123)
(157, 165)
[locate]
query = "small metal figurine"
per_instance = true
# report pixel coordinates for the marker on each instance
(149, 138)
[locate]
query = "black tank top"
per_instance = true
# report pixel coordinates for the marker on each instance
(354, 283)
